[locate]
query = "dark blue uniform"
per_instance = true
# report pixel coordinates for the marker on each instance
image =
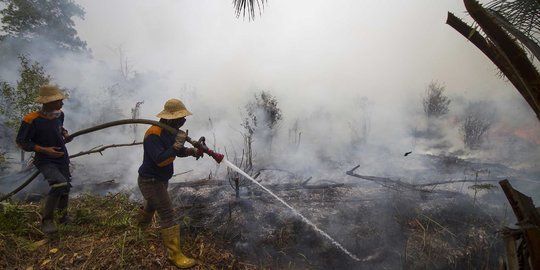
(36, 129)
(159, 154)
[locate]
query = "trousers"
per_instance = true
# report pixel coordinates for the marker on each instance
(157, 199)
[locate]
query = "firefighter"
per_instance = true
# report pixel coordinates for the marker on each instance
(160, 150)
(43, 133)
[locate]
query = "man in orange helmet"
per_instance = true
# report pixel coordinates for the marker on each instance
(160, 150)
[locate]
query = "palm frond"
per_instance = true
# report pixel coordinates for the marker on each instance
(523, 14)
(247, 8)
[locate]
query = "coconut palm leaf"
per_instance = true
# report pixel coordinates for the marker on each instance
(247, 7)
(523, 14)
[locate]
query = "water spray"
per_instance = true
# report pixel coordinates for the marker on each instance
(307, 221)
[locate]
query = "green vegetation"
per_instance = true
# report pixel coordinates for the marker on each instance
(18, 100)
(103, 235)
(37, 20)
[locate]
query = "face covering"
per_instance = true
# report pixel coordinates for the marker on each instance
(52, 115)
(175, 123)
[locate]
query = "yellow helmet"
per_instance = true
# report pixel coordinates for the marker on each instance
(174, 108)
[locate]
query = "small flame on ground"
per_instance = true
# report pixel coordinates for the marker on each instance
(334, 242)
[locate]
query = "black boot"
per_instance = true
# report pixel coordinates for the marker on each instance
(63, 210)
(47, 222)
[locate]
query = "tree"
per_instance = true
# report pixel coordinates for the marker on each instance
(475, 123)
(524, 15)
(27, 20)
(18, 100)
(509, 40)
(436, 104)
(263, 116)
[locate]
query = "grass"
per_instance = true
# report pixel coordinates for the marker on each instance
(103, 236)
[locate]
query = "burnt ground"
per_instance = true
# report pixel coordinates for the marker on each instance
(388, 227)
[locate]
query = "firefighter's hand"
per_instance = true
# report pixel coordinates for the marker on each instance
(194, 152)
(67, 138)
(180, 139)
(52, 151)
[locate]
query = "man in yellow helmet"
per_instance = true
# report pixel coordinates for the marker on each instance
(43, 132)
(160, 150)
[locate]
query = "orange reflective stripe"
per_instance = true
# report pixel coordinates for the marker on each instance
(166, 162)
(30, 117)
(153, 130)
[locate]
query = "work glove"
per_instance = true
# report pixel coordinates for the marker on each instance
(180, 139)
(194, 152)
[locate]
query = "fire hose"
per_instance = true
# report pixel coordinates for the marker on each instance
(199, 144)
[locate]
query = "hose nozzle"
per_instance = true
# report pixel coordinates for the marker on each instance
(201, 145)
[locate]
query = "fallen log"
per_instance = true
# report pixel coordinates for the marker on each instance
(394, 183)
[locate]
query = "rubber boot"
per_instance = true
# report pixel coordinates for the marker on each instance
(144, 218)
(47, 222)
(171, 240)
(62, 210)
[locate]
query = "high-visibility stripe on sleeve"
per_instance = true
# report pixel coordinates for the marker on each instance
(166, 162)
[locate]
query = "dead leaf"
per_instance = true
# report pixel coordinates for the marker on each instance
(45, 262)
(34, 246)
(53, 250)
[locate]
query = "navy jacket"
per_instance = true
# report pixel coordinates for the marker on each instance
(159, 154)
(38, 130)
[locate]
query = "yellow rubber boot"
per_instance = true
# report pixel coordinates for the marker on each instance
(171, 240)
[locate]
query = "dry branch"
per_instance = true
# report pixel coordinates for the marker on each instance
(36, 172)
(387, 182)
(102, 148)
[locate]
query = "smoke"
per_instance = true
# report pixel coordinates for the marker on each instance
(316, 59)
(319, 59)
